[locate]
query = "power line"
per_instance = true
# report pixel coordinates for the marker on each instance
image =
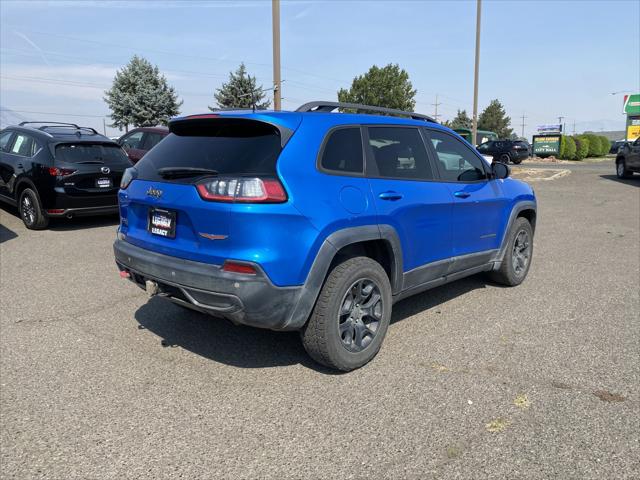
(435, 115)
(53, 113)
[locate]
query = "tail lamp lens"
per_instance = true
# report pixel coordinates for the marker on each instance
(242, 189)
(127, 177)
(60, 172)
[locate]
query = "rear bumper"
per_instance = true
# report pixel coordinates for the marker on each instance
(84, 211)
(245, 299)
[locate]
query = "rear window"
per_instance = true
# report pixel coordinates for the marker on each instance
(244, 148)
(90, 153)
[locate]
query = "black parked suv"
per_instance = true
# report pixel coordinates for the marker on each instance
(505, 151)
(628, 159)
(52, 169)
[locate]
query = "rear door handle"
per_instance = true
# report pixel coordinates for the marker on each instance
(390, 196)
(462, 194)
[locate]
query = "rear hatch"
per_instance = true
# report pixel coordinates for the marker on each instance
(86, 169)
(180, 198)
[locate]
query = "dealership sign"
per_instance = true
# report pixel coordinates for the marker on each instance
(632, 104)
(546, 145)
(554, 128)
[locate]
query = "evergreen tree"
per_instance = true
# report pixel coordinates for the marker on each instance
(382, 87)
(494, 119)
(461, 120)
(140, 96)
(241, 91)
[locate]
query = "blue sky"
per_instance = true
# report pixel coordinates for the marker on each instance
(542, 59)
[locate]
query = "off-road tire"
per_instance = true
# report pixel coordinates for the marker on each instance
(504, 158)
(30, 209)
(516, 161)
(321, 336)
(508, 274)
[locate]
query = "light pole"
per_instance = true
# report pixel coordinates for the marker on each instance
(474, 130)
(277, 83)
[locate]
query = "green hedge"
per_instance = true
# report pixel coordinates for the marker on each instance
(582, 147)
(568, 148)
(595, 145)
(605, 145)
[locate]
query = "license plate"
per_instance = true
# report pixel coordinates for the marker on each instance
(162, 223)
(104, 183)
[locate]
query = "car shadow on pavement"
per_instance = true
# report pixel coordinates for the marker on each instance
(635, 180)
(6, 234)
(80, 223)
(221, 341)
(68, 224)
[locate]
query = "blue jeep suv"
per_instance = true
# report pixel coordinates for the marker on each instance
(317, 220)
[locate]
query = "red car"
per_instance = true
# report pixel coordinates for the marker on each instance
(139, 141)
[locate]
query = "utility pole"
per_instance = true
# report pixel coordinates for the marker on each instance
(474, 130)
(435, 115)
(277, 83)
(523, 124)
(104, 126)
(560, 123)
(574, 127)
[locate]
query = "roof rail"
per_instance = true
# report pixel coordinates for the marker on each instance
(331, 106)
(52, 124)
(59, 124)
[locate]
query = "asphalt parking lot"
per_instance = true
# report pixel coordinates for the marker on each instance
(473, 380)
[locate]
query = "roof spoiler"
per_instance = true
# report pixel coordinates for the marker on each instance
(177, 124)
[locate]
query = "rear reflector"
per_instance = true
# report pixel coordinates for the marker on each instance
(55, 211)
(238, 268)
(124, 274)
(242, 189)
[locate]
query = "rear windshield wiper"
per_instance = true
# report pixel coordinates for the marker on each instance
(91, 162)
(184, 172)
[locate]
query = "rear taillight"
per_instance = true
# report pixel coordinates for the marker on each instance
(127, 177)
(242, 189)
(60, 172)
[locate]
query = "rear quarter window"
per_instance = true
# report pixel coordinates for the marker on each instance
(343, 151)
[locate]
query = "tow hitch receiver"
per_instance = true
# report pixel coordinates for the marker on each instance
(151, 288)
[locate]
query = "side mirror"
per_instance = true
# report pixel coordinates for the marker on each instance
(500, 170)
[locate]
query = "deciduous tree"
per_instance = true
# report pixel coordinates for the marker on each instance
(382, 87)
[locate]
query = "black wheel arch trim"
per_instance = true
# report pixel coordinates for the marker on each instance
(327, 252)
(515, 212)
(21, 181)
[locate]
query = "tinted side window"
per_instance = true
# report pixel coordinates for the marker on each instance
(399, 153)
(151, 140)
(343, 151)
(457, 161)
(23, 145)
(4, 140)
(485, 147)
